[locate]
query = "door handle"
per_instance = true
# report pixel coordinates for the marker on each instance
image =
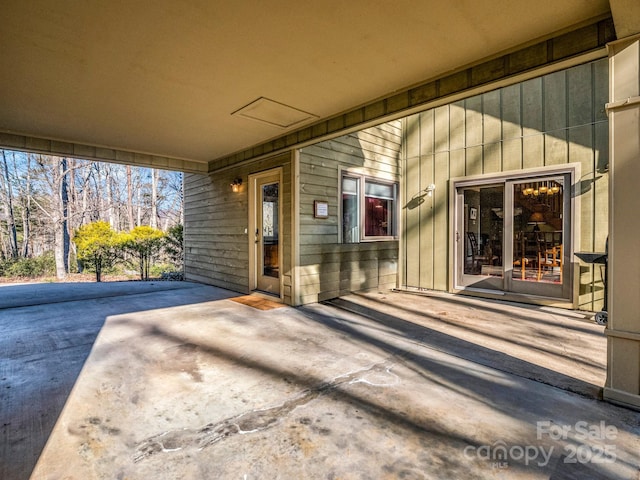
(257, 235)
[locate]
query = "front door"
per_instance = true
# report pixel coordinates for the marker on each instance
(265, 227)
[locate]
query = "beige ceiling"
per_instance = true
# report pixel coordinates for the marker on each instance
(166, 77)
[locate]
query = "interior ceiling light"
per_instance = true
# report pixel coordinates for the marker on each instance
(274, 113)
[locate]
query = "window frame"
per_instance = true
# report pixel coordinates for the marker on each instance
(361, 196)
(571, 230)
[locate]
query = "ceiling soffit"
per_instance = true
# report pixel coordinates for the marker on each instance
(583, 44)
(164, 81)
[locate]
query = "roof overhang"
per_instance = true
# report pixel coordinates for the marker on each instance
(178, 84)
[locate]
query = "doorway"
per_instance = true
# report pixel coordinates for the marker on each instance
(515, 235)
(265, 214)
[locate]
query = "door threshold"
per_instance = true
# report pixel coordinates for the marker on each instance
(481, 290)
(267, 295)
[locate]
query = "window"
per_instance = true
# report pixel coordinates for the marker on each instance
(350, 217)
(368, 209)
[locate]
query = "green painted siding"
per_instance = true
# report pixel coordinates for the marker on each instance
(327, 267)
(552, 120)
(216, 222)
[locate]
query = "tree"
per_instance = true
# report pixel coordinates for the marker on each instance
(8, 208)
(24, 188)
(154, 199)
(62, 224)
(174, 245)
(130, 199)
(45, 198)
(144, 242)
(54, 203)
(99, 245)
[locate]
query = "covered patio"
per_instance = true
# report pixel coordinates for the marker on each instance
(208, 88)
(181, 380)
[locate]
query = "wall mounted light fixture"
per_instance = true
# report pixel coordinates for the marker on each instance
(418, 198)
(235, 185)
(429, 190)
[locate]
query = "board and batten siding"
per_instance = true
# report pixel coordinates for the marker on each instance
(551, 120)
(216, 224)
(328, 268)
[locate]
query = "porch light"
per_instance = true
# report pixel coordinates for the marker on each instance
(429, 190)
(235, 185)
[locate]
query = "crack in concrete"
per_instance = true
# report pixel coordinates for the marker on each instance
(254, 420)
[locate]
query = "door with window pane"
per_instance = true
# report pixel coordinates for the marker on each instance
(515, 236)
(265, 222)
(479, 236)
(540, 236)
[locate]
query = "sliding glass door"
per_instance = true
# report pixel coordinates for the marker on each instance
(540, 234)
(514, 235)
(480, 236)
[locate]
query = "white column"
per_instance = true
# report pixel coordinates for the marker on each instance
(623, 330)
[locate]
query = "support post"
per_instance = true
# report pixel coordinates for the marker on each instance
(623, 330)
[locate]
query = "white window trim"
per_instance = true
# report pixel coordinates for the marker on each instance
(362, 179)
(574, 170)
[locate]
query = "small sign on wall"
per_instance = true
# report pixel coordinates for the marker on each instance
(320, 209)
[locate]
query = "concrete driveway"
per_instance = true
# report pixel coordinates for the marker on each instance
(170, 380)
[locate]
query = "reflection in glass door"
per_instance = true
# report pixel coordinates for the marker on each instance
(514, 235)
(266, 252)
(270, 234)
(538, 218)
(480, 244)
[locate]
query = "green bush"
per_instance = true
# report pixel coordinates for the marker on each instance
(42, 266)
(174, 246)
(144, 243)
(158, 269)
(98, 246)
(4, 265)
(111, 269)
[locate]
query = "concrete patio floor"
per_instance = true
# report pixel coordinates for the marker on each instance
(169, 380)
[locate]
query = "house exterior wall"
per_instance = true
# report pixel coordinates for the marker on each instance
(216, 222)
(556, 119)
(328, 268)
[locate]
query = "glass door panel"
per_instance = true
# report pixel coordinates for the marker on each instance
(539, 216)
(515, 236)
(480, 245)
(265, 257)
(270, 234)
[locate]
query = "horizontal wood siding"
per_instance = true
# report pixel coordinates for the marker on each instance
(327, 268)
(555, 119)
(216, 221)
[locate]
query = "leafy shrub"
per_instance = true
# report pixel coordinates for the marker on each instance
(4, 265)
(174, 246)
(98, 246)
(158, 269)
(40, 266)
(144, 243)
